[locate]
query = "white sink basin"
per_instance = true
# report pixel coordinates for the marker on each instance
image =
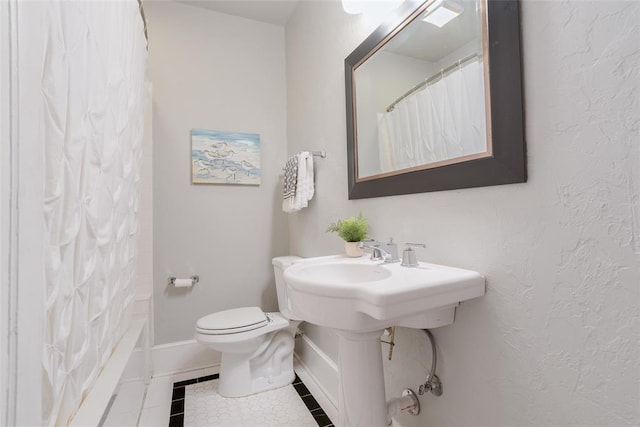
(358, 298)
(356, 294)
(341, 274)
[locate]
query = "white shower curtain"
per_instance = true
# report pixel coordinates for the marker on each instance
(442, 121)
(92, 90)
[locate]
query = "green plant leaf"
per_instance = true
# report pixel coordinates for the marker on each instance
(354, 229)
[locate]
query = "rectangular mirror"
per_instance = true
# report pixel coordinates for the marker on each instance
(427, 97)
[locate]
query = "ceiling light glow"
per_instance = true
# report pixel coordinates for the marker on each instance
(442, 12)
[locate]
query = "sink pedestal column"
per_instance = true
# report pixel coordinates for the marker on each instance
(362, 399)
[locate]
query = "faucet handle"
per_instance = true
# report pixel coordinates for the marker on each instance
(409, 255)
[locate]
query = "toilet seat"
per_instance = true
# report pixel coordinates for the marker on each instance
(232, 321)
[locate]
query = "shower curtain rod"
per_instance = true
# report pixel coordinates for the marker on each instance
(439, 75)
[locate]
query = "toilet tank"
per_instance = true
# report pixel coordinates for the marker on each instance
(279, 264)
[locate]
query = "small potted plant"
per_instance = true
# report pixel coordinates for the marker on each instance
(352, 230)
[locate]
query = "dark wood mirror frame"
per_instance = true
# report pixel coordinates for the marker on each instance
(507, 165)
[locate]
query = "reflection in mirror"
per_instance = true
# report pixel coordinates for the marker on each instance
(420, 98)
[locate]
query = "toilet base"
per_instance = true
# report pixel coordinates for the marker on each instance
(233, 383)
(269, 367)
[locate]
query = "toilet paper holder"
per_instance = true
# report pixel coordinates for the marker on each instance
(194, 280)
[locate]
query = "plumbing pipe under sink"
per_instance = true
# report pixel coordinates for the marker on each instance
(408, 402)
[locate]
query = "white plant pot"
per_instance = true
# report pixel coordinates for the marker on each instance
(353, 249)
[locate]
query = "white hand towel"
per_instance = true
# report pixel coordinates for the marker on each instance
(298, 182)
(305, 184)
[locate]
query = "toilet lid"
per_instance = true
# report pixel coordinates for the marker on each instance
(232, 321)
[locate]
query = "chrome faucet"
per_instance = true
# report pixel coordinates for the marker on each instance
(381, 251)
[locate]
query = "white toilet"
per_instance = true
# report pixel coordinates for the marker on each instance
(256, 347)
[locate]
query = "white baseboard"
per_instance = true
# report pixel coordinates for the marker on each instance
(172, 358)
(320, 368)
(184, 356)
(324, 400)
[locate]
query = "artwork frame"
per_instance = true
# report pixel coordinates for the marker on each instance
(221, 157)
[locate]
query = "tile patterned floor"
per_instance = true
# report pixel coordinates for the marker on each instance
(196, 403)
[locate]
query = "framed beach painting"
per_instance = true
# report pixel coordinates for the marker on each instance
(225, 157)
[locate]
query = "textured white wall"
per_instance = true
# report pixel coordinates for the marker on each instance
(555, 339)
(214, 71)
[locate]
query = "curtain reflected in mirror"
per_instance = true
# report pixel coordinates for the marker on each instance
(421, 96)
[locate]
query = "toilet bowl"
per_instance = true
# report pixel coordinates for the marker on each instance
(256, 347)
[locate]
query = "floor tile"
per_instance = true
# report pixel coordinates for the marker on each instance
(176, 420)
(322, 420)
(301, 389)
(178, 393)
(208, 378)
(202, 406)
(177, 406)
(310, 402)
(185, 383)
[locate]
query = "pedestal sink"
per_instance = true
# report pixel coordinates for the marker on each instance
(358, 299)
